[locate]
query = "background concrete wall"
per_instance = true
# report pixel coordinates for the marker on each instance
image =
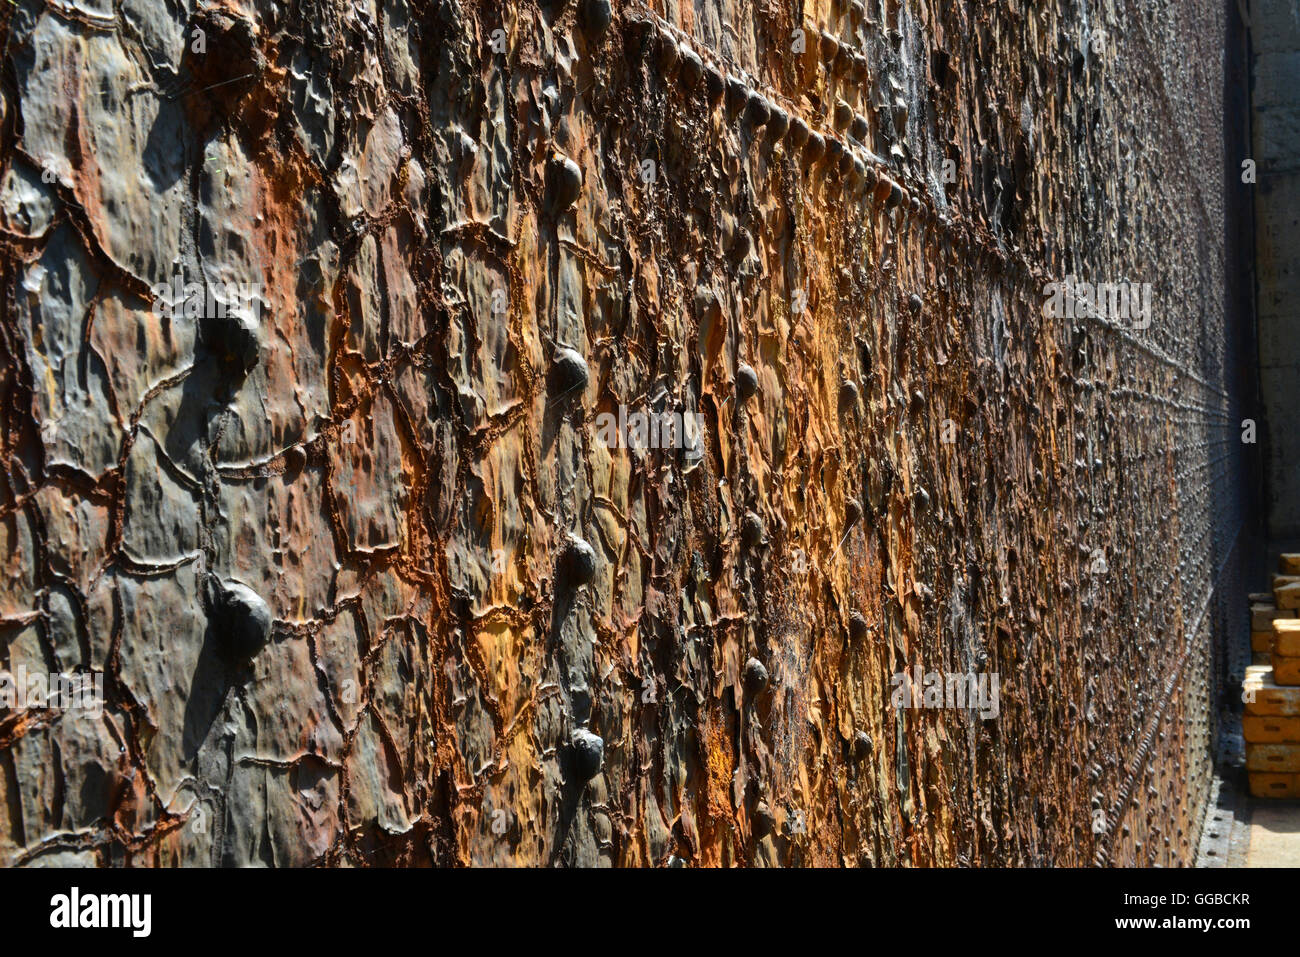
(1275, 37)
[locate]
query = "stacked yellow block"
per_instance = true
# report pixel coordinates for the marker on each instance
(1262, 616)
(1271, 692)
(1284, 627)
(1271, 726)
(1284, 602)
(1286, 593)
(1286, 651)
(1286, 584)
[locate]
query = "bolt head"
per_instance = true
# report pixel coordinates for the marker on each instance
(240, 618)
(692, 68)
(746, 382)
(862, 746)
(587, 754)
(577, 565)
(597, 15)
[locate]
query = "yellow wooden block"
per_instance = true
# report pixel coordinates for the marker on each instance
(1261, 641)
(1260, 597)
(1287, 597)
(1286, 671)
(1262, 696)
(1257, 729)
(1277, 758)
(1286, 637)
(1280, 580)
(1288, 563)
(1262, 615)
(1265, 785)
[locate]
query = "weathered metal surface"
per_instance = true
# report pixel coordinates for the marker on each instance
(494, 638)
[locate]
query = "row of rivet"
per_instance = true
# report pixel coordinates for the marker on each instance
(676, 59)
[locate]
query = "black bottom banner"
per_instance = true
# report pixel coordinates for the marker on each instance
(135, 907)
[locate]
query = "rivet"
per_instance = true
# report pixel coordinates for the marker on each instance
(857, 626)
(577, 565)
(813, 148)
(755, 676)
(241, 618)
(777, 123)
(859, 173)
(852, 512)
(862, 746)
(848, 395)
(232, 340)
(597, 16)
(884, 187)
(798, 133)
(692, 68)
(737, 95)
(569, 372)
(715, 84)
(668, 56)
(751, 530)
(746, 383)
(829, 47)
(565, 182)
(588, 753)
(757, 110)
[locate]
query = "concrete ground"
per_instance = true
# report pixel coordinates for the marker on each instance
(1274, 834)
(1240, 830)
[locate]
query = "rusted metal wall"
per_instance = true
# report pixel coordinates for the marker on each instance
(493, 638)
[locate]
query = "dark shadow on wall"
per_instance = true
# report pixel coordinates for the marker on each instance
(1239, 524)
(1274, 238)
